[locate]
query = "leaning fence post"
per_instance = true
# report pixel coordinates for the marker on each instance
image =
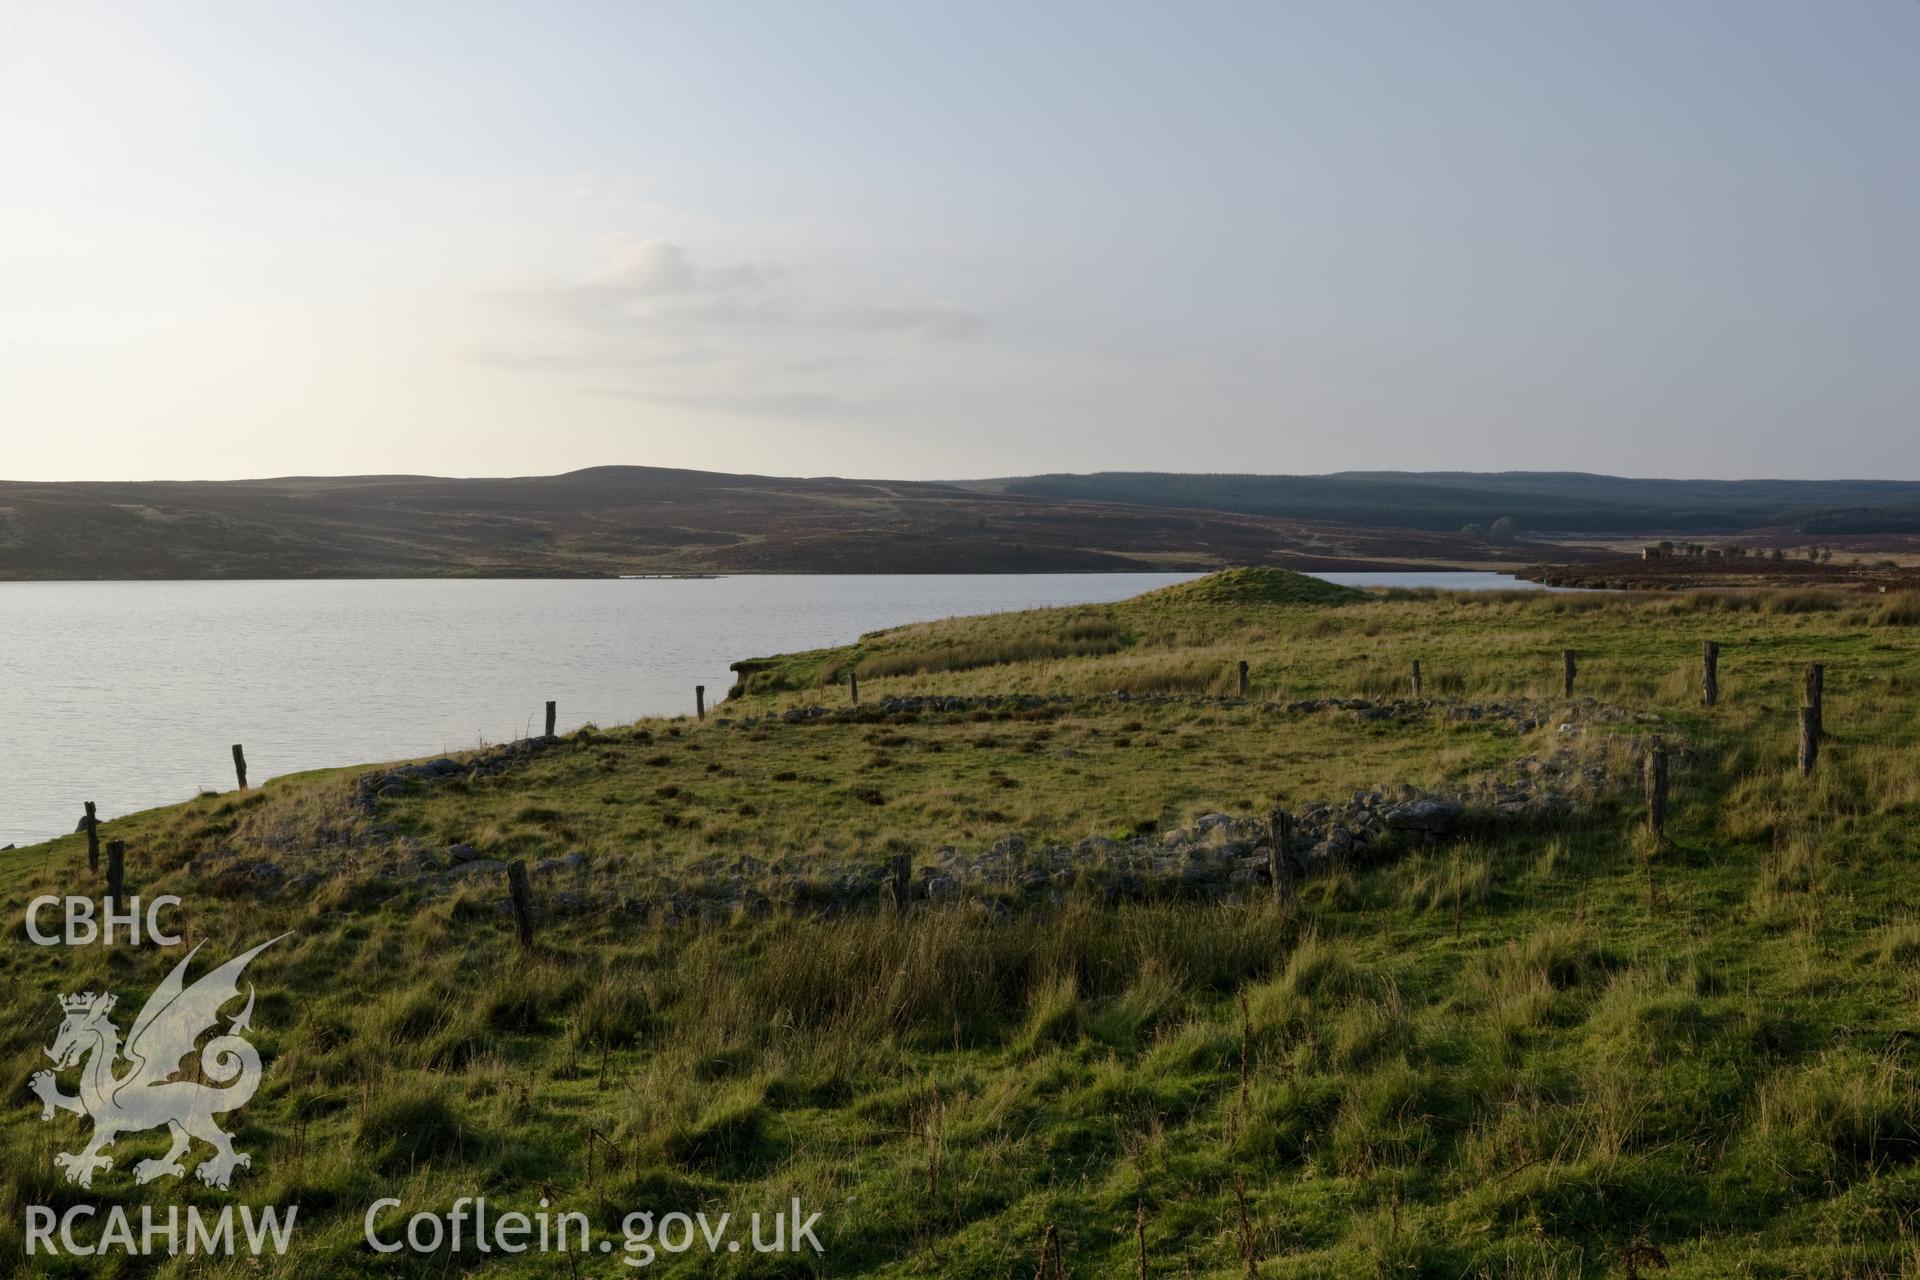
(902, 879)
(522, 901)
(1243, 677)
(1280, 856)
(1809, 739)
(550, 719)
(116, 871)
(1656, 769)
(853, 687)
(93, 838)
(240, 765)
(700, 701)
(1566, 662)
(1710, 670)
(1814, 694)
(1416, 677)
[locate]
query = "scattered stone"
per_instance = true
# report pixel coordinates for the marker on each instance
(1220, 856)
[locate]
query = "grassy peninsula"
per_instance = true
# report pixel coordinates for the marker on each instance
(1519, 1038)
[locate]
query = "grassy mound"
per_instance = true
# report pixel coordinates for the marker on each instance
(1243, 587)
(1038, 650)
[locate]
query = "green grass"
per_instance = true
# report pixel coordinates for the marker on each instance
(1250, 588)
(1530, 1053)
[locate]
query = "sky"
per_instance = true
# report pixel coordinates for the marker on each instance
(957, 240)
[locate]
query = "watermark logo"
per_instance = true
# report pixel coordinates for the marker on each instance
(85, 926)
(131, 1088)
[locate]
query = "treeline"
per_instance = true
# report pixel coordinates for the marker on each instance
(1520, 501)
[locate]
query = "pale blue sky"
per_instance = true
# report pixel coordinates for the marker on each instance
(1641, 236)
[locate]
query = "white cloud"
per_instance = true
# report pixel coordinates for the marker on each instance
(645, 267)
(652, 323)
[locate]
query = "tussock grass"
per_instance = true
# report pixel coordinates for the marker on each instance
(1843, 1116)
(1901, 610)
(1462, 879)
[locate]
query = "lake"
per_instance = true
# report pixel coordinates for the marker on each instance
(131, 693)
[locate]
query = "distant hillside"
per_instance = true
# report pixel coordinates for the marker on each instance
(1533, 501)
(613, 520)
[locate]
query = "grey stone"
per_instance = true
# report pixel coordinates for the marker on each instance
(477, 867)
(1433, 816)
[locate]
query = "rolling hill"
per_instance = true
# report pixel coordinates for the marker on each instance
(614, 520)
(1534, 501)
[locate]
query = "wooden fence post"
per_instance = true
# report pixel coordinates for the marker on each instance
(853, 687)
(551, 718)
(700, 702)
(1280, 855)
(522, 900)
(1656, 768)
(1243, 677)
(1809, 739)
(1566, 662)
(116, 871)
(1710, 670)
(240, 765)
(1052, 1265)
(1416, 677)
(901, 878)
(1814, 694)
(93, 838)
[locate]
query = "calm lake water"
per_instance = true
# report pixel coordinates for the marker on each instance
(131, 693)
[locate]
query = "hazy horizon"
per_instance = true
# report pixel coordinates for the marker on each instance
(1639, 240)
(947, 479)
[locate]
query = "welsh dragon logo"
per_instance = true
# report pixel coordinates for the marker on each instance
(146, 1094)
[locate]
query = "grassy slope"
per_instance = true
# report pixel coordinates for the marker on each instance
(1500, 1058)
